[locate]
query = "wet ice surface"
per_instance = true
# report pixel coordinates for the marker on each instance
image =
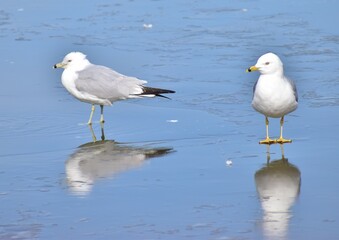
(162, 172)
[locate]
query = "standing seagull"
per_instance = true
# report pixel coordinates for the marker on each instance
(100, 85)
(274, 95)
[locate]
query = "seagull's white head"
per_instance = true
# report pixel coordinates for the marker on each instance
(268, 63)
(74, 60)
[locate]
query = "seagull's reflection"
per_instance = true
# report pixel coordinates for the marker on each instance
(104, 158)
(278, 186)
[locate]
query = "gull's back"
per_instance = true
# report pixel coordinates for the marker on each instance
(105, 83)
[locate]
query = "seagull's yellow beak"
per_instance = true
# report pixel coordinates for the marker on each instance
(59, 65)
(251, 69)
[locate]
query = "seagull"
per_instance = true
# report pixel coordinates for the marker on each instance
(100, 85)
(274, 95)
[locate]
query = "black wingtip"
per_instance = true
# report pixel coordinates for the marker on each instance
(156, 91)
(159, 95)
(170, 91)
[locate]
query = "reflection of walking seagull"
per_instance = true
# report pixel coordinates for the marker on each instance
(99, 85)
(106, 158)
(274, 95)
(278, 186)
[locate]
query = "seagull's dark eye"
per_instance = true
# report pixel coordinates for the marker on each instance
(69, 60)
(267, 63)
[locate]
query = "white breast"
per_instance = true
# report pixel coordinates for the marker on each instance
(274, 97)
(68, 81)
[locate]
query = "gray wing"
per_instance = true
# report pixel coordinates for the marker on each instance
(106, 83)
(294, 87)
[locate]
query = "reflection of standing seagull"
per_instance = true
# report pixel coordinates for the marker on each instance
(101, 85)
(274, 95)
(102, 159)
(278, 186)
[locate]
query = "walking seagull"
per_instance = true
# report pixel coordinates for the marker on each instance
(100, 85)
(274, 95)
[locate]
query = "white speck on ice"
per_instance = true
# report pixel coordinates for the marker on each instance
(172, 121)
(147, 26)
(229, 163)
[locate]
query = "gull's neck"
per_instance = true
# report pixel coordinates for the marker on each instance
(277, 74)
(79, 67)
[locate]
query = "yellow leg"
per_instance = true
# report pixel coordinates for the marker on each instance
(282, 140)
(92, 132)
(91, 116)
(267, 140)
(102, 114)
